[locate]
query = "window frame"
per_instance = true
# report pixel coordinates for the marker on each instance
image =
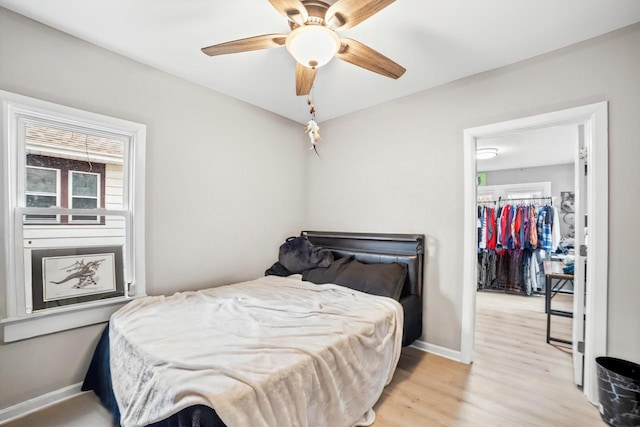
(17, 322)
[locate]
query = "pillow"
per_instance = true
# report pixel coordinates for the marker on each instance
(326, 274)
(298, 254)
(378, 279)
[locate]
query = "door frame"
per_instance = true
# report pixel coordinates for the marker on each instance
(594, 117)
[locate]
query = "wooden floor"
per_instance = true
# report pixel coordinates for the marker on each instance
(516, 380)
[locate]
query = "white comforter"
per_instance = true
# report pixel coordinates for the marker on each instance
(271, 352)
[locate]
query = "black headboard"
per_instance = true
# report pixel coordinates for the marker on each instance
(378, 248)
(373, 248)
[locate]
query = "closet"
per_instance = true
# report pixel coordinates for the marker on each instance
(514, 237)
(522, 220)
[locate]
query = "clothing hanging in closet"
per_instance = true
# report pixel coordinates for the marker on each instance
(510, 243)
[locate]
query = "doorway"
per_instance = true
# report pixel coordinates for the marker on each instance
(530, 182)
(593, 119)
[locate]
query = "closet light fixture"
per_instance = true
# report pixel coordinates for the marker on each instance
(486, 153)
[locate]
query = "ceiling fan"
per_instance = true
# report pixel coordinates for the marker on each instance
(313, 40)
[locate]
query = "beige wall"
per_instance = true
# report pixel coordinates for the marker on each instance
(222, 177)
(398, 167)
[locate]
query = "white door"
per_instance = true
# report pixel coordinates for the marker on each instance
(581, 239)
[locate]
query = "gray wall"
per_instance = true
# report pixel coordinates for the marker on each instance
(561, 177)
(398, 167)
(219, 191)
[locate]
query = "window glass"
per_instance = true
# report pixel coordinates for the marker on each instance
(84, 203)
(525, 194)
(35, 201)
(84, 184)
(42, 180)
(66, 168)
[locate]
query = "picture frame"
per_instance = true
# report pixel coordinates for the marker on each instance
(567, 201)
(77, 275)
(64, 276)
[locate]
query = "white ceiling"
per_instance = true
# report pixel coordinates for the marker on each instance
(548, 146)
(438, 41)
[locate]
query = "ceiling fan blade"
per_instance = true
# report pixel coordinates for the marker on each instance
(293, 10)
(345, 14)
(265, 41)
(363, 56)
(304, 79)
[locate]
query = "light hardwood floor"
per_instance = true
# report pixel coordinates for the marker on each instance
(516, 380)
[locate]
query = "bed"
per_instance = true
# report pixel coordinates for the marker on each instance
(273, 351)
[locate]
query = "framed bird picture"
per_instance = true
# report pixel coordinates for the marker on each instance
(63, 276)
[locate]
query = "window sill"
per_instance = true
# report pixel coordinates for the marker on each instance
(60, 319)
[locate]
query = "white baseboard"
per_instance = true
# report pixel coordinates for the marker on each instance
(27, 407)
(437, 350)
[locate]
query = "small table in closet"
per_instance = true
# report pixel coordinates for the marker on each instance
(553, 272)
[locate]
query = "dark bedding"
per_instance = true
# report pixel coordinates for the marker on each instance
(384, 280)
(98, 377)
(407, 292)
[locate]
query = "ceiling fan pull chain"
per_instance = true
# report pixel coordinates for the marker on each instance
(312, 128)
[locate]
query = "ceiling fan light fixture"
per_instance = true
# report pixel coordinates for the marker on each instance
(486, 153)
(313, 45)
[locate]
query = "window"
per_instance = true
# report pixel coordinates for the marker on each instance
(42, 191)
(531, 190)
(84, 193)
(73, 185)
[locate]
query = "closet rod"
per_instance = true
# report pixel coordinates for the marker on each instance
(528, 199)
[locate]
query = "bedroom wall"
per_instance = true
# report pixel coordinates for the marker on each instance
(219, 192)
(398, 167)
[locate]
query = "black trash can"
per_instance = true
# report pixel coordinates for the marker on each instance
(619, 391)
